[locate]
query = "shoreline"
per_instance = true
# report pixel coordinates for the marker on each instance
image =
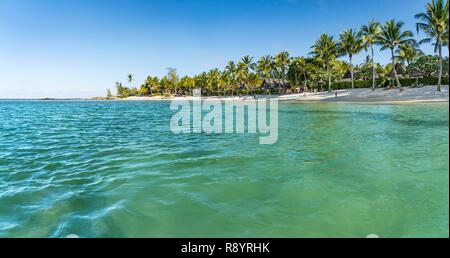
(422, 95)
(425, 94)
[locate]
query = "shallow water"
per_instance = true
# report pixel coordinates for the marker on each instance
(113, 169)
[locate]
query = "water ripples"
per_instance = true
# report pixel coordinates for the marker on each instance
(101, 169)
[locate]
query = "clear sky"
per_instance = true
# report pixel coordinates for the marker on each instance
(79, 48)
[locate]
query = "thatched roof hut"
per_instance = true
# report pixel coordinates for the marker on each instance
(391, 75)
(401, 70)
(321, 82)
(417, 73)
(275, 84)
(436, 74)
(347, 76)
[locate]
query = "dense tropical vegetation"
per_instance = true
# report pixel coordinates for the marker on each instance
(323, 67)
(434, 23)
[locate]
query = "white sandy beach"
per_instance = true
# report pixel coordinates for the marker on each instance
(408, 95)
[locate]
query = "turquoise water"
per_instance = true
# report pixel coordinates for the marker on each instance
(113, 169)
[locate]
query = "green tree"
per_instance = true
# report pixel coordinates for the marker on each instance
(326, 49)
(122, 91)
(201, 80)
(434, 23)
(282, 62)
(164, 84)
(370, 33)
(298, 72)
(152, 83)
(143, 90)
(213, 81)
(350, 44)
(302, 66)
(231, 71)
(108, 93)
(130, 79)
(245, 67)
(339, 69)
(408, 53)
(187, 84)
(172, 79)
(428, 64)
(391, 37)
(265, 66)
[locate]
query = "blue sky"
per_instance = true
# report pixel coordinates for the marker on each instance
(79, 48)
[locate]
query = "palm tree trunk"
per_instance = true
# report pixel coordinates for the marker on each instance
(395, 71)
(373, 70)
(440, 66)
(329, 77)
(351, 72)
(304, 76)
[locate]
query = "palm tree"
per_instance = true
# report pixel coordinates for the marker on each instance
(143, 90)
(248, 64)
(327, 49)
(213, 80)
(391, 37)
(445, 35)
(265, 66)
(201, 80)
(370, 33)
(172, 79)
(152, 83)
(186, 84)
(408, 53)
(445, 40)
(243, 70)
(350, 44)
(302, 67)
(231, 70)
(282, 62)
(434, 23)
(130, 79)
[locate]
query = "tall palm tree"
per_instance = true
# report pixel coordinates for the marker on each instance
(173, 79)
(130, 78)
(370, 33)
(152, 83)
(282, 62)
(391, 37)
(264, 66)
(244, 69)
(201, 80)
(248, 64)
(445, 40)
(327, 49)
(434, 23)
(302, 67)
(350, 44)
(445, 35)
(213, 80)
(408, 53)
(231, 70)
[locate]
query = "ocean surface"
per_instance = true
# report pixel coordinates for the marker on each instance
(114, 169)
